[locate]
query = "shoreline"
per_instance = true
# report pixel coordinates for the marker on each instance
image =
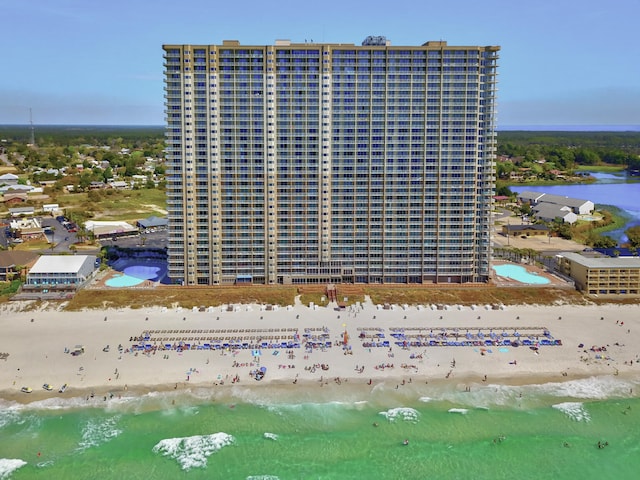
(281, 392)
(37, 350)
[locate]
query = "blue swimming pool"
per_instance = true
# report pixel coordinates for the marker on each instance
(520, 274)
(133, 275)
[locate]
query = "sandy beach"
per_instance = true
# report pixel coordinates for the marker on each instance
(126, 352)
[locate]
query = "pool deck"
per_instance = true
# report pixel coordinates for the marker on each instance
(554, 281)
(100, 281)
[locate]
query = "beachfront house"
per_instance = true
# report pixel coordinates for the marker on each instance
(60, 273)
(12, 263)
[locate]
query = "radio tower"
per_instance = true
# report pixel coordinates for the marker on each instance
(32, 138)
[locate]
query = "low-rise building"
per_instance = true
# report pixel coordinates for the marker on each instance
(104, 229)
(13, 262)
(22, 211)
(576, 205)
(153, 222)
(9, 179)
(14, 198)
(525, 229)
(549, 212)
(27, 228)
(60, 272)
(606, 277)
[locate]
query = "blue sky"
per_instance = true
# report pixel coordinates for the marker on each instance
(563, 62)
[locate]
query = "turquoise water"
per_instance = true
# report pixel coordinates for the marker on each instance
(520, 274)
(123, 281)
(538, 432)
(134, 275)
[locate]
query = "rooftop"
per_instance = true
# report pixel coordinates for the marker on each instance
(602, 262)
(59, 264)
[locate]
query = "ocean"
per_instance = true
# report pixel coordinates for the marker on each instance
(583, 429)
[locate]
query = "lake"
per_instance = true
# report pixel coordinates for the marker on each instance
(615, 189)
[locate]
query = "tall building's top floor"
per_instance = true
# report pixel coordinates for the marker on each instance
(371, 44)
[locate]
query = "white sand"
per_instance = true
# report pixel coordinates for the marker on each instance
(37, 348)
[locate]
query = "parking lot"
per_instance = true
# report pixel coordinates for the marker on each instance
(64, 233)
(152, 239)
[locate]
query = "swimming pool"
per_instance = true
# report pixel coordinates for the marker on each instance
(133, 275)
(520, 274)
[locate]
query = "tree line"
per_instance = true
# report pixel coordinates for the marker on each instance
(567, 150)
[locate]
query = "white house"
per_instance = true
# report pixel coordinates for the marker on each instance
(8, 179)
(548, 212)
(66, 270)
(577, 205)
(104, 229)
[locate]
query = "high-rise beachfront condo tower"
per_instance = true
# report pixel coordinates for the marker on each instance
(312, 162)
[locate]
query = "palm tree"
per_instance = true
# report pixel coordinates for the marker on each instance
(81, 233)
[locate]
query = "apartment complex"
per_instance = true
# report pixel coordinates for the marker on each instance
(607, 277)
(317, 163)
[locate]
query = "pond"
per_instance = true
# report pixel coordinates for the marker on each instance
(616, 189)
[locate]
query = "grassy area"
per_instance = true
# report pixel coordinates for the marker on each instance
(7, 289)
(481, 295)
(190, 297)
(32, 245)
(601, 168)
(7, 169)
(612, 219)
(123, 205)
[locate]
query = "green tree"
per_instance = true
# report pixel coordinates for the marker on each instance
(633, 234)
(131, 168)
(561, 229)
(586, 156)
(525, 209)
(504, 190)
(601, 241)
(107, 174)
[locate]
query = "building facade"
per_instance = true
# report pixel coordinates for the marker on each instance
(63, 271)
(604, 277)
(317, 163)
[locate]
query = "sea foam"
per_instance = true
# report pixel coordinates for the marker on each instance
(9, 416)
(595, 388)
(193, 452)
(10, 465)
(98, 431)
(461, 411)
(401, 413)
(574, 410)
